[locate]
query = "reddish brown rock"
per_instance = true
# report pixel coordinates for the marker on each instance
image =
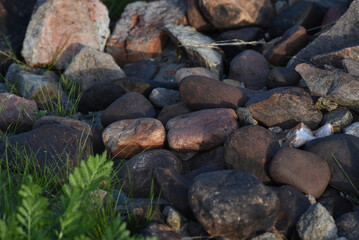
(335, 58)
(139, 34)
(202, 92)
(129, 137)
(226, 14)
(54, 36)
(250, 149)
(305, 171)
(285, 107)
(195, 17)
(201, 130)
(16, 113)
(250, 68)
(293, 40)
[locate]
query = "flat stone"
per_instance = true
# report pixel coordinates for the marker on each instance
(339, 119)
(351, 67)
(128, 137)
(348, 225)
(338, 87)
(335, 58)
(233, 204)
(228, 14)
(304, 170)
(201, 130)
(293, 40)
(250, 68)
(284, 107)
(316, 223)
(202, 93)
(53, 36)
(195, 71)
(282, 77)
(250, 149)
(162, 97)
(91, 66)
(343, 34)
(195, 16)
(139, 34)
(191, 40)
(145, 69)
(170, 111)
(137, 173)
(344, 148)
(17, 113)
(132, 105)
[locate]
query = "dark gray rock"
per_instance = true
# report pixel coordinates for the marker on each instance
(145, 69)
(162, 97)
(348, 225)
(282, 77)
(335, 203)
(335, 58)
(244, 117)
(171, 111)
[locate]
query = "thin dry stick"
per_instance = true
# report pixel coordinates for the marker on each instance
(231, 42)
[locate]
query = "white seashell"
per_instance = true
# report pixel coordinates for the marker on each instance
(298, 136)
(323, 131)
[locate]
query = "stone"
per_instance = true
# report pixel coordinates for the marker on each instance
(284, 107)
(201, 130)
(217, 166)
(202, 93)
(339, 119)
(53, 37)
(325, 104)
(343, 34)
(324, 3)
(303, 170)
(352, 129)
(162, 97)
(145, 69)
(333, 14)
(342, 149)
(102, 95)
(348, 225)
(266, 236)
(54, 155)
(316, 223)
(160, 231)
(196, 230)
(3, 88)
(203, 159)
(91, 66)
(338, 87)
(132, 105)
(195, 16)
(137, 173)
(244, 117)
(293, 40)
(292, 204)
(333, 200)
(37, 84)
(227, 14)
(174, 218)
(139, 34)
(306, 14)
(194, 44)
(335, 58)
(17, 113)
(128, 137)
(233, 204)
(174, 188)
(351, 67)
(279, 6)
(282, 77)
(171, 111)
(250, 68)
(250, 149)
(195, 71)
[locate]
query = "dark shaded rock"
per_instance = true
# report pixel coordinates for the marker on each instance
(201, 130)
(348, 225)
(303, 170)
(196, 230)
(306, 14)
(195, 17)
(293, 40)
(335, 202)
(201, 93)
(232, 203)
(250, 68)
(161, 231)
(162, 97)
(197, 71)
(332, 15)
(171, 111)
(338, 118)
(345, 149)
(237, 13)
(145, 69)
(98, 145)
(284, 107)
(250, 149)
(207, 158)
(351, 67)
(137, 174)
(217, 166)
(282, 77)
(335, 58)
(292, 204)
(174, 188)
(130, 106)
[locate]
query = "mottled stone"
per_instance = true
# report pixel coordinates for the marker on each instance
(174, 218)
(335, 58)
(129, 137)
(201, 130)
(233, 204)
(160, 231)
(351, 67)
(348, 225)
(54, 36)
(325, 104)
(339, 119)
(250, 149)
(244, 117)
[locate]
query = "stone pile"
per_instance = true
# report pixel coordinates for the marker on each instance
(249, 131)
